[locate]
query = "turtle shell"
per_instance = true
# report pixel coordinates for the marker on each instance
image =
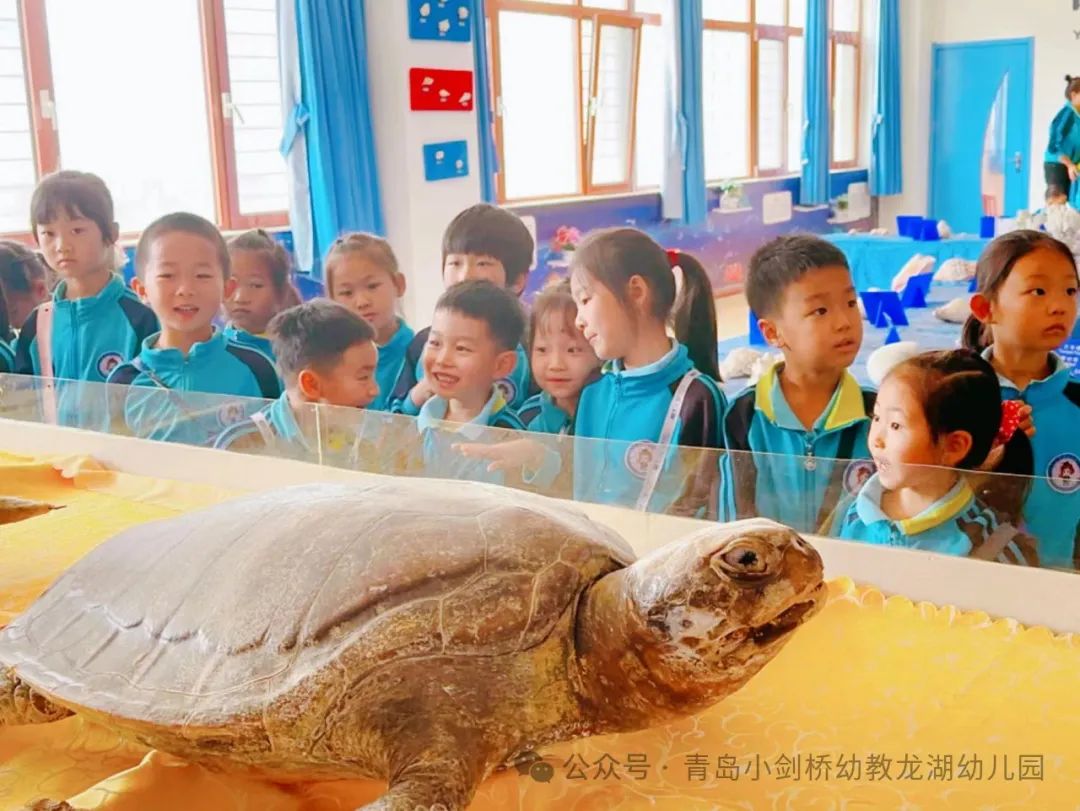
(221, 612)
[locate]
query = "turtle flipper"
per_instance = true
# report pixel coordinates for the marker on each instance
(22, 705)
(50, 805)
(428, 785)
(14, 509)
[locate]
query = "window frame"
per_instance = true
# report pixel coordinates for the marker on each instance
(37, 66)
(577, 11)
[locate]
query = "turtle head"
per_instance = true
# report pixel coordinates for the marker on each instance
(694, 620)
(728, 597)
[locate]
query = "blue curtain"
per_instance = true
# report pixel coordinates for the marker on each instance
(485, 121)
(886, 166)
(689, 123)
(340, 141)
(814, 189)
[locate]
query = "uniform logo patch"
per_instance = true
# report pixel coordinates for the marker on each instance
(505, 386)
(109, 361)
(856, 475)
(230, 413)
(1064, 473)
(639, 457)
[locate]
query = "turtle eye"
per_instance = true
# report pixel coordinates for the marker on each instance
(751, 559)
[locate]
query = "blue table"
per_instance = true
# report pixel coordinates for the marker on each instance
(875, 260)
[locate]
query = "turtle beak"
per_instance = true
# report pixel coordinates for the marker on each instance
(791, 617)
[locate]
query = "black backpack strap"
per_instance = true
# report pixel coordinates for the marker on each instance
(1072, 391)
(836, 480)
(743, 468)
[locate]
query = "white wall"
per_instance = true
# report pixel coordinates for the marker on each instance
(1052, 23)
(416, 211)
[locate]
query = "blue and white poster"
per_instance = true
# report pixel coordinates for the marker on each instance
(446, 160)
(440, 19)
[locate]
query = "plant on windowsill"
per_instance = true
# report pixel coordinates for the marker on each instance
(731, 195)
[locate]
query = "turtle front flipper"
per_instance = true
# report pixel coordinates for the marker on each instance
(14, 509)
(22, 705)
(429, 786)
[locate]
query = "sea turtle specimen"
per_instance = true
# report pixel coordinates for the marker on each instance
(417, 631)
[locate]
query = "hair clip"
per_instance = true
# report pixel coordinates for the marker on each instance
(1010, 421)
(672, 256)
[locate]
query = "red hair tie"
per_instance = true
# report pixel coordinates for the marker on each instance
(1010, 421)
(672, 256)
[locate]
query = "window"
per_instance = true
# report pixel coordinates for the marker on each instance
(753, 52)
(17, 175)
(603, 71)
(126, 107)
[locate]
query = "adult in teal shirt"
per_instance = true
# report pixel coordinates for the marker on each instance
(1063, 150)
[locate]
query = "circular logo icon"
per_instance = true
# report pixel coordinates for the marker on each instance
(230, 413)
(856, 475)
(1064, 473)
(505, 386)
(639, 457)
(109, 361)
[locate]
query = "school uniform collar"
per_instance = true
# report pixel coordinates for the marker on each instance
(234, 333)
(281, 416)
(845, 408)
(109, 294)
(173, 360)
(434, 411)
(400, 339)
(658, 374)
(1049, 389)
(868, 507)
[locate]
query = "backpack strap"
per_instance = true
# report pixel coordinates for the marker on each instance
(45, 359)
(836, 480)
(667, 434)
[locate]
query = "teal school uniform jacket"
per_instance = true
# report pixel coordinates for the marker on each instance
(628, 408)
(1052, 510)
(516, 388)
(777, 469)
(250, 340)
(957, 524)
(392, 359)
(171, 395)
(541, 415)
(441, 460)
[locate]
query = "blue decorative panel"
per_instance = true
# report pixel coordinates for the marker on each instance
(446, 160)
(440, 19)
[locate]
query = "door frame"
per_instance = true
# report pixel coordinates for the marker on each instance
(1026, 98)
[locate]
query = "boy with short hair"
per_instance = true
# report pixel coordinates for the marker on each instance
(327, 354)
(482, 242)
(471, 346)
(808, 408)
(182, 270)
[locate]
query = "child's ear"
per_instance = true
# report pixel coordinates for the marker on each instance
(518, 285)
(230, 288)
(114, 234)
(980, 307)
(310, 385)
(771, 333)
(505, 363)
(139, 288)
(637, 291)
(955, 446)
(400, 284)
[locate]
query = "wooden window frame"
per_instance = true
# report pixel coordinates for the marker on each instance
(853, 38)
(37, 68)
(222, 132)
(578, 11)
